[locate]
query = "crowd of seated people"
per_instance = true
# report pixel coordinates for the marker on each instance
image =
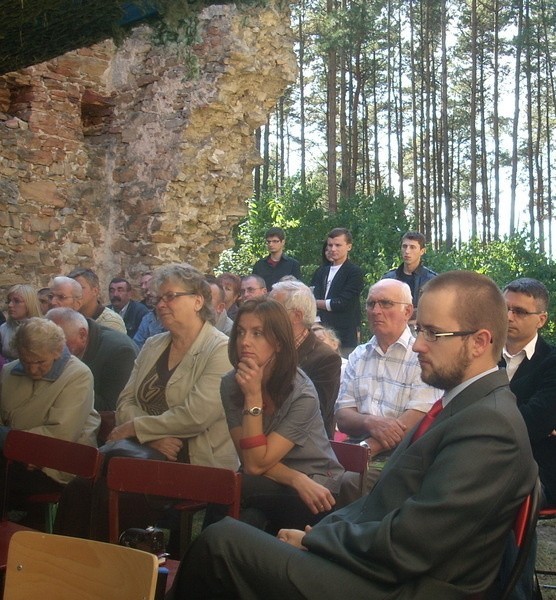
(263, 399)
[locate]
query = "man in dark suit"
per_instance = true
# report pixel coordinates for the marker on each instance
(337, 287)
(319, 361)
(436, 523)
(110, 354)
(531, 366)
(131, 311)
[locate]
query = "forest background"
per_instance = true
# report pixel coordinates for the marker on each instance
(433, 115)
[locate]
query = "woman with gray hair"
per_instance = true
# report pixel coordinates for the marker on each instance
(49, 392)
(170, 408)
(22, 303)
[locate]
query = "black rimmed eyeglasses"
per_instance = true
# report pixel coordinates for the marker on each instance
(521, 312)
(431, 335)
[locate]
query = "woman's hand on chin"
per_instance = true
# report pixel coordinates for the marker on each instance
(169, 446)
(123, 431)
(249, 376)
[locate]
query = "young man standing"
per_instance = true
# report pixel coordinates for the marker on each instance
(337, 287)
(412, 271)
(276, 265)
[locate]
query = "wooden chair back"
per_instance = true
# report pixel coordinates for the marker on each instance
(43, 451)
(523, 529)
(47, 452)
(173, 480)
(55, 567)
(351, 456)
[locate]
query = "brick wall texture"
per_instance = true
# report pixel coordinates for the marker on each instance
(117, 158)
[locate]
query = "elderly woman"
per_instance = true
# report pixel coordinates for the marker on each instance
(291, 474)
(170, 408)
(47, 391)
(23, 303)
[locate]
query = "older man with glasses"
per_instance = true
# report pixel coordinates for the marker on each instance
(251, 287)
(531, 367)
(382, 395)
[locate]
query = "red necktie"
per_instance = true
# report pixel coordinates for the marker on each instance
(427, 420)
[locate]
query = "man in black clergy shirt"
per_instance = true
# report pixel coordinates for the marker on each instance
(437, 521)
(277, 264)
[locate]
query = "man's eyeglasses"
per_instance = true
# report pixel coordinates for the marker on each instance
(431, 335)
(384, 304)
(520, 313)
(170, 297)
(249, 290)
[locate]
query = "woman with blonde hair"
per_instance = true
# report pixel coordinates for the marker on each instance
(23, 303)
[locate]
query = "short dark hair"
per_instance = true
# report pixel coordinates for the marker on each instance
(277, 232)
(416, 236)
(532, 288)
(120, 280)
(338, 231)
(277, 328)
(257, 278)
(87, 274)
(479, 304)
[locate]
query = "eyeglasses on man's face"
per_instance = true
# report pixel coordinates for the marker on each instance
(384, 304)
(521, 313)
(170, 297)
(431, 335)
(250, 290)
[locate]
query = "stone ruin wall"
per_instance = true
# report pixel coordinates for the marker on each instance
(115, 158)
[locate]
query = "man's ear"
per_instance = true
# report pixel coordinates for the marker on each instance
(482, 341)
(542, 320)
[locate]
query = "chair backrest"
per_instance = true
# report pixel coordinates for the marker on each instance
(351, 456)
(43, 451)
(524, 533)
(55, 567)
(174, 480)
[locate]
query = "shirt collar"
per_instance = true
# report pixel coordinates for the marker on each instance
(55, 371)
(451, 394)
(404, 340)
(529, 349)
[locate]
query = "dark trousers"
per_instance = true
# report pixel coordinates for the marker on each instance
(268, 505)
(24, 482)
(234, 560)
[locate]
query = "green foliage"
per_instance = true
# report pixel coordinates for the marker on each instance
(503, 260)
(377, 223)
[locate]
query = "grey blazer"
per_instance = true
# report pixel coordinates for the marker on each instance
(436, 523)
